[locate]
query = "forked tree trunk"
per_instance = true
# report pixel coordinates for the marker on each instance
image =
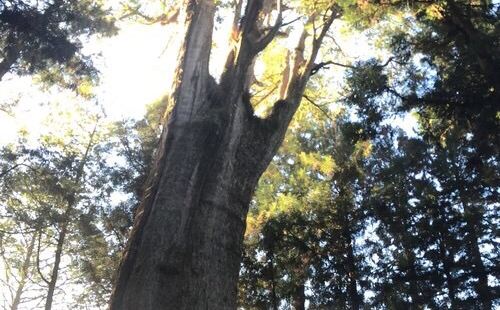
(184, 249)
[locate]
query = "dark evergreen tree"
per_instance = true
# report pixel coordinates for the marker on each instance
(46, 37)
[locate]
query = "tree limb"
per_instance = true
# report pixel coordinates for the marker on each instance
(269, 36)
(325, 65)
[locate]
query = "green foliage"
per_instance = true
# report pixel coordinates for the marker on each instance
(395, 222)
(443, 66)
(46, 38)
(57, 188)
(351, 214)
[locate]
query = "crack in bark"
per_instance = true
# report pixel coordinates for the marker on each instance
(184, 248)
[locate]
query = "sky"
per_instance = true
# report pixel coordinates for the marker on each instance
(136, 68)
(134, 71)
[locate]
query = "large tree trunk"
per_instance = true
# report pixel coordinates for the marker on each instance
(184, 249)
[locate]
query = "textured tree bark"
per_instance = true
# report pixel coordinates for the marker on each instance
(184, 249)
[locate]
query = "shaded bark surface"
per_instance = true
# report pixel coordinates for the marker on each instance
(185, 247)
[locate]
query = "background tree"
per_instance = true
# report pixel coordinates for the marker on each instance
(45, 37)
(53, 192)
(301, 248)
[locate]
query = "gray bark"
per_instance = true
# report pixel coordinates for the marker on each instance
(185, 246)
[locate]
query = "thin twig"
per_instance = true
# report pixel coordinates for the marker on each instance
(317, 106)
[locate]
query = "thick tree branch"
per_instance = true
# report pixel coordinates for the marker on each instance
(264, 41)
(247, 42)
(284, 110)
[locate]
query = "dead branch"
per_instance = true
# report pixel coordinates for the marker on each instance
(325, 65)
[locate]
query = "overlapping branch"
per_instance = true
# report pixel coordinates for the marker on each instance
(299, 73)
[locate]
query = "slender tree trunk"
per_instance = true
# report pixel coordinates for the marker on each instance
(478, 268)
(410, 268)
(447, 265)
(9, 57)
(352, 286)
(272, 274)
(299, 297)
(23, 274)
(412, 277)
(473, 221)
(185, 247)
(57, 262)
(350, 259)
